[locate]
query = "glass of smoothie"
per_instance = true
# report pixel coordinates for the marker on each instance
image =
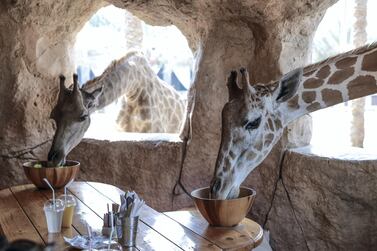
(69, 203)
(54, 215)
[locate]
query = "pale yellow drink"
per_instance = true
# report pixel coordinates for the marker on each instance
(68, 216)
(70, 204)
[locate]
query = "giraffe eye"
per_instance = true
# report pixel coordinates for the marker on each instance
(253, 124)
(83, 117)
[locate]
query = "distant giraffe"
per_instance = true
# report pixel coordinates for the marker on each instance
(151, 105)
(255, 117)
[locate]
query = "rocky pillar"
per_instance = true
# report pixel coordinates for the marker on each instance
(133, 32)
(358, 105)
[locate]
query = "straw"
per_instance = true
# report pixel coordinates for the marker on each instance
(89, 229)
(65, 190)
(112, 230)
(66, 186)
(53, 193)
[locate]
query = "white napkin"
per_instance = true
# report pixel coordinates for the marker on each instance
(130, 205)
(84, 242)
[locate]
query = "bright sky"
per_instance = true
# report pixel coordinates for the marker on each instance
(331, 126)
(103, 40)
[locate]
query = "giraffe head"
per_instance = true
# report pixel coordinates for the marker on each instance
(71, 115)
(252, 123)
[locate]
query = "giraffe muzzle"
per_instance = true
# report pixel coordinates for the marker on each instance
(215, 187)
(56, 158)
(51, 155)
(220, 190)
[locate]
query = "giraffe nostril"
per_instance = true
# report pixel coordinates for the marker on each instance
(51, 155)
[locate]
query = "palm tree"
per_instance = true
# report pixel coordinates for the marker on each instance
(358, 105)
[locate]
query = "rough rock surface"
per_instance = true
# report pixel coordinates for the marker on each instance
(325, 200)
(133, 165)
(36, 39)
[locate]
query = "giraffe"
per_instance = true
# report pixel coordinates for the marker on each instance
(255, 116)
(151, 103)
(152, 106)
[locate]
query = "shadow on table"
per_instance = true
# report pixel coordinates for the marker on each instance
(23, 245)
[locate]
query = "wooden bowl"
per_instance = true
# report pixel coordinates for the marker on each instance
(224, 213)
(57, 176)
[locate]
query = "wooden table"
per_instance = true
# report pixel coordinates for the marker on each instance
(22, 216)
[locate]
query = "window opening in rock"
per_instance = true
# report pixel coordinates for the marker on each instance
(156, 107)
(331, 126)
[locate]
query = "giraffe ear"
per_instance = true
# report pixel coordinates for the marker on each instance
(233, 89)
(288, 85)
(91, 98)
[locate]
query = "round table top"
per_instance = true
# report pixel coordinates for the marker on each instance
(22, 217)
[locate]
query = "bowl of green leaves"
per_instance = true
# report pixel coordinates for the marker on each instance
(58, 176)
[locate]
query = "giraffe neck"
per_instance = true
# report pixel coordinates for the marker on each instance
(155, 108)
(149, 105)
(121, 77)
(336, 80)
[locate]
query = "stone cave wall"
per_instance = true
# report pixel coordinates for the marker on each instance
(36, 38)
(267, 37)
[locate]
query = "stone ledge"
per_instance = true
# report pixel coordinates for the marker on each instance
(149, 167)
(134, 137)
(339, 154)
